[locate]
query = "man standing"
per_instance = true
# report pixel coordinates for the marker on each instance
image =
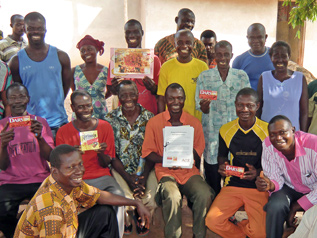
(10, 45)
(5, 81)
(53, 210)
(209, 38)
(224, 83)
(184, 70)
(165, 48)
(175, 182)
(289, 162)
(242, 138)
(128, 122)
(96, 162)
(45, 71)
(24, 153)
(256, 60)
(147, 87)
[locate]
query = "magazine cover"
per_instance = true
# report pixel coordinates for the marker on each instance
(131, 62)
(89, 140)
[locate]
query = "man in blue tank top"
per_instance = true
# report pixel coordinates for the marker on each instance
(45, 71)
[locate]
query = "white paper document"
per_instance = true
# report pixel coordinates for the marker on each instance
(178, 146)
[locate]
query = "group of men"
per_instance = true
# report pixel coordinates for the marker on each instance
(226, 132)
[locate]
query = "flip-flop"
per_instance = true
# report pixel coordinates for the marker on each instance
(141, 230)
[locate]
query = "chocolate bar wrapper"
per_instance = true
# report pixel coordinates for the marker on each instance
(89, 140)
(234, 171)
(19, 121)
(208, 94)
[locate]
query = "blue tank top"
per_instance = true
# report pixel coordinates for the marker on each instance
(44, 83)
(282, 98)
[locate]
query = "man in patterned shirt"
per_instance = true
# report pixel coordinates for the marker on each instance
(10, 45)
(165, 48)
(52, 212)
(289, 162)
(128, 122)
(224, 83)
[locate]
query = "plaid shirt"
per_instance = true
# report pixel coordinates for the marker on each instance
(9, 48)
(53, 213)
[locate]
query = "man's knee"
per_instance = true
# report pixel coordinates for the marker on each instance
(169, 190)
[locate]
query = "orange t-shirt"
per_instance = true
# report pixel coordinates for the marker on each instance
(153, 142)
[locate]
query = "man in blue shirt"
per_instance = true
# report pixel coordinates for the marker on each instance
(256, 60)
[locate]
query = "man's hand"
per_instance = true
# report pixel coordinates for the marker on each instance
(291, 220)
(150, 85)
(102, 148)
(251, 173)
(144, 214)
(222, 169)
(204, 105)
(132, 181)
(6, 136)
(78, 147)
(263, 183)
(36, 128)
(115, 83)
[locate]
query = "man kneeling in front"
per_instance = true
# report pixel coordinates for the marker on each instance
(52, 212)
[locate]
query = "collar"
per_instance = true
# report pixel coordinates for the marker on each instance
(167, 116)
(228, 79)
(12, 42)
(259, 56)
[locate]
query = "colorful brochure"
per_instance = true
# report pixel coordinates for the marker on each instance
(89, 140)
(131, 62)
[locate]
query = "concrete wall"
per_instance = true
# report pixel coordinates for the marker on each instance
(69, 20)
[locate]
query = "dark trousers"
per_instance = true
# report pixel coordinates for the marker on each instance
(11, 195)
(213, 178)
(277, 210)
(98, 221)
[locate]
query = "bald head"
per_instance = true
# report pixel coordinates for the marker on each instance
(185, 19)
(184, 32)
(256, 27)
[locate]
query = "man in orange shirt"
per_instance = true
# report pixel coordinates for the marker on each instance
(173, 182)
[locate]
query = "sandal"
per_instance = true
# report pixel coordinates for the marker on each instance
(141, 230)
(127, 230)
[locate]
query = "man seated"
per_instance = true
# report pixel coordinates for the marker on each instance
(24, 153)
(128, 122)
(147, 87)
(223, 83)
(175, 182)
(97, 172)
(289, 161)
(165, 48)
(183, 70)
(52, 212)
(209, 38)
(242, 138)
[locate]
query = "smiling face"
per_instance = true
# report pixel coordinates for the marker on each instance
(18, 99)
(210, 46)
(280, 58)
(82, 107)
(133, 35)
(223, 57)
(246, 107)
(128, 97)
(184, 43)
(256, 39)
(186, 20)
(35, 31)
(70, 173)
(281, 135)
(175, 99)
(88, 53)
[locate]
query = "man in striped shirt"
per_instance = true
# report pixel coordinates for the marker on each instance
(289, 162)
(10, 45)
